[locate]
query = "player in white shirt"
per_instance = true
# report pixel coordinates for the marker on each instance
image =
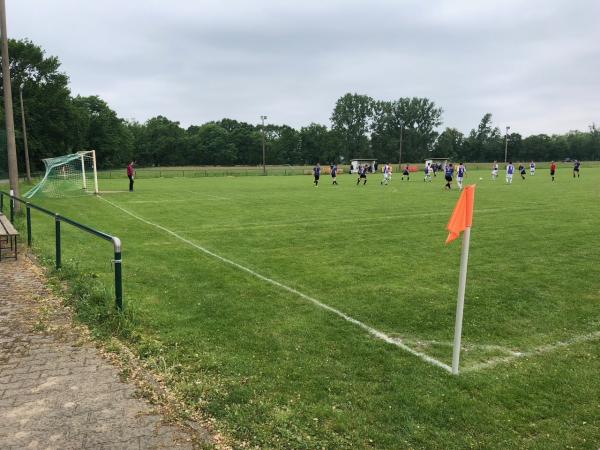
(510, 170)
(386, 174)
(460, 174)
(428, 171)
(532, 168)
(494, 171)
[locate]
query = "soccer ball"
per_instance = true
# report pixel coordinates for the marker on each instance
(480, 178)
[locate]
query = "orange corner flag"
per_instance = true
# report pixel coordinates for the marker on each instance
(462, 217)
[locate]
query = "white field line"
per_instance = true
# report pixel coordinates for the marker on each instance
(192, 200)
(216, 197)
(378, 334)
(490, 347)
(536, 351)
(210, 197)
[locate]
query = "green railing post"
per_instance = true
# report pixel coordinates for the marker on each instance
(57, 241)
(118, 274)
(58, 245)
(1, 202)
(28, 225)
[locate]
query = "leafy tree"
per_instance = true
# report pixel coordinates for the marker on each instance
(351, 119)
(99, 128)
(285, 147)
(515, 149)
(594, 152)
(247, 140)
(418, 118)
(385, 132)
(538, 147)
(46, 96)
(449, 144)
(212, 146)
(160, 142)
(484, 143)
(318, 144)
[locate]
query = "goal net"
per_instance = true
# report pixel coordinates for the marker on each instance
(68, 175)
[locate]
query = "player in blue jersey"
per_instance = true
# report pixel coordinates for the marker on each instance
(510, 170)
(448, 174)
(576, 165)
(317, 174)
(532, 168)
(334, 174)
(460, 174)
(522, 171)
(362, 174)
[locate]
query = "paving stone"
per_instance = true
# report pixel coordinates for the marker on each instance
(58, 394)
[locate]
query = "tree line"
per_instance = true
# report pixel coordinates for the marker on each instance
(59, 123)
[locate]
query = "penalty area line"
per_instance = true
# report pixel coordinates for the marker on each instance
(374, 332)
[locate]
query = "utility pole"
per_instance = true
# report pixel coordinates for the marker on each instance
(11, 147)
(24, 134)
(506, 144)
(263, 118)
(400, 155)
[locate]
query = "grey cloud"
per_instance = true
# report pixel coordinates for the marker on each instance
(534, 65)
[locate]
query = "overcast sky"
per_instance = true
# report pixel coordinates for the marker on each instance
(533, 64)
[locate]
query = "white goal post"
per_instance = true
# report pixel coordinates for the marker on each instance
(68, 175)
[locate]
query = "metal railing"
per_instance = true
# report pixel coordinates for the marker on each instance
(58, 245)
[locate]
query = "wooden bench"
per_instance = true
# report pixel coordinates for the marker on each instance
(8, 238)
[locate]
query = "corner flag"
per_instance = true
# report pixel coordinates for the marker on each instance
(460, 221)
(462, 217)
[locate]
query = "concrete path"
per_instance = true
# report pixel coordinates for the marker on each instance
(56, 390)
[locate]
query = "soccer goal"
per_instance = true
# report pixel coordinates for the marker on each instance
(68, 175)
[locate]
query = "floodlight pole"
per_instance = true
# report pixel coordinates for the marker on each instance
(506, 144)
(400, 151)
(263, 118)
(11, 146)
(27, 169)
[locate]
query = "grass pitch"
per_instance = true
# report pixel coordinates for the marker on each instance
(222, 277)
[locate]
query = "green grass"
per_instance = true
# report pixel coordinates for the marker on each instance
(276, 371)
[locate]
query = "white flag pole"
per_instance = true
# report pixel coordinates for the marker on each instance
(462, 281)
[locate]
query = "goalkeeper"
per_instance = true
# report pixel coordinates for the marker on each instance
(131, 174)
